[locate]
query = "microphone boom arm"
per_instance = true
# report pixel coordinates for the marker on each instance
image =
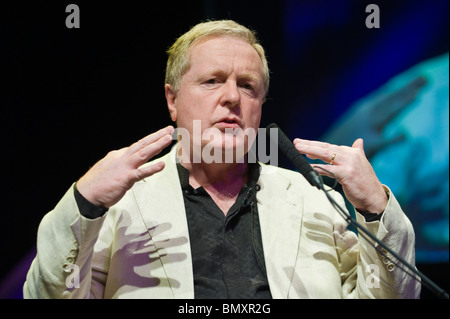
(315, 179)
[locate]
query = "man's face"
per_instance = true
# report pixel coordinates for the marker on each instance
(223, 88)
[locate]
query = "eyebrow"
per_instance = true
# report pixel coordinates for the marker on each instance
(245, 76)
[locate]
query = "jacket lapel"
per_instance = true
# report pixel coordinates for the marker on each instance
(280, 209)
(280, 206)
(161, 205)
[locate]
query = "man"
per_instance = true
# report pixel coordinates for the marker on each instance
(187, 227)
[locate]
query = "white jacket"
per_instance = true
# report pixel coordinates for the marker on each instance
(140, 247)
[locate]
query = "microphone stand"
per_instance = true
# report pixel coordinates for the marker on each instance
(439, 292)
(315, 179)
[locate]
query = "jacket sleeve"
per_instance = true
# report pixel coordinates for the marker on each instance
(377, 274)
(62, 267)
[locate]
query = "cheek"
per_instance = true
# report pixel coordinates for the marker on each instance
(187, 108)
(192, 108)
(253, 116)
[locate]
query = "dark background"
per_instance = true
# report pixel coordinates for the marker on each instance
(69, 96)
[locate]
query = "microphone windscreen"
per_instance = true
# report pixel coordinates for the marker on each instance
(297, 159)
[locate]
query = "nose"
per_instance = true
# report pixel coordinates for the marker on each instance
(231, 97)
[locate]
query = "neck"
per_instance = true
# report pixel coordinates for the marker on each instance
(221, 179)
(217, 175)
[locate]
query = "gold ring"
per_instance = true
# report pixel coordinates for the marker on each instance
(332, 159)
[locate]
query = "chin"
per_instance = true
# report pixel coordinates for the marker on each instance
(229, 149)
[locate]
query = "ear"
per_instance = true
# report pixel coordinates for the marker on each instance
(171, 98)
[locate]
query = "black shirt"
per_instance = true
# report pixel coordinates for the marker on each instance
(227, 254)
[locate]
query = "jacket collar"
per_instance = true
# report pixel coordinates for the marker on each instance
(161, 204)
(280, 207)
(160, 201)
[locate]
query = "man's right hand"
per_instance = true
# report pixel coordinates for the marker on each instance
(110, 178)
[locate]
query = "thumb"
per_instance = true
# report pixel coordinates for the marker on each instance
(359, 143)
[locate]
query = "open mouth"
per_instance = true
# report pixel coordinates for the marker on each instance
(228, 123)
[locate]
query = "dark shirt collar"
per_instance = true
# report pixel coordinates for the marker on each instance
(253, 175)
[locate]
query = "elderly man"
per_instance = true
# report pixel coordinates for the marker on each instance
(184, 227)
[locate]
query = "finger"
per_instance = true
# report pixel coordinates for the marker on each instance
(144, 154)
(359, 143)
(149, 139)
(311, 143)
(316, 150)
(148, 170)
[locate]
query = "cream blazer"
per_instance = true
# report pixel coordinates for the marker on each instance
(140, 248)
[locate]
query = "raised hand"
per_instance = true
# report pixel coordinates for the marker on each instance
(110, 178)
(353, 171)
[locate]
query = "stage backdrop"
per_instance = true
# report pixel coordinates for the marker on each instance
(70, 95)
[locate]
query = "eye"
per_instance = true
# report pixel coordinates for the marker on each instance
(247, 86)
(211, 81)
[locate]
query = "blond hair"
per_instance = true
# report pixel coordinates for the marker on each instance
(178, 62)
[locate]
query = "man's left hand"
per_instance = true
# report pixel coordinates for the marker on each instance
(353, 171)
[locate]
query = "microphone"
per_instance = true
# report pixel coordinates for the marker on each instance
(300, 163)
(297, 159)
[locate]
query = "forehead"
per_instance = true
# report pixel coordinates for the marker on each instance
(225, 52)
